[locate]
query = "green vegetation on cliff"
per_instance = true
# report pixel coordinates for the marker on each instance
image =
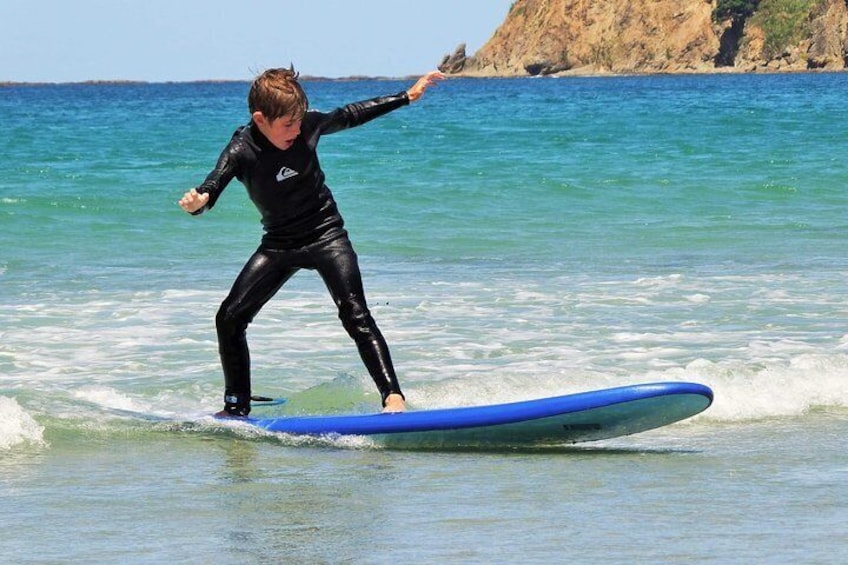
(736, 9)
(784, 23)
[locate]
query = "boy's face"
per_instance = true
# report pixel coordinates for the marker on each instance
(281, 132)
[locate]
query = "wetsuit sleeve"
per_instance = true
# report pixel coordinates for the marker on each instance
(359, 113)
(225, 170)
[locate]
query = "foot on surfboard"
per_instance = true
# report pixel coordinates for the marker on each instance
(394, 403)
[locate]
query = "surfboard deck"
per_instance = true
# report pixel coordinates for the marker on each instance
(573, 418)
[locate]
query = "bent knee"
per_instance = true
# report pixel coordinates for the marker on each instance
(358, 322)
(229, 319)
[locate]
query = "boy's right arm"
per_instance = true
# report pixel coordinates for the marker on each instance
(203, 197)
(193, 201)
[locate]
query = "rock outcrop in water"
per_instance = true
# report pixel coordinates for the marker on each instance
(553, 37)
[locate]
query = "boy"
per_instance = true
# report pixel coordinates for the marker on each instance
(275, 157)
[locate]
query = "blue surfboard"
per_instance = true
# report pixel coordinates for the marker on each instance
(573, 418)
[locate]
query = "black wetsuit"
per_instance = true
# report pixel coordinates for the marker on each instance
(303, 230)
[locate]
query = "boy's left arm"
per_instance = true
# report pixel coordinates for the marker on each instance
(359, 113)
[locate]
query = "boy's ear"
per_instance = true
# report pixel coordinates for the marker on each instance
(259, 118)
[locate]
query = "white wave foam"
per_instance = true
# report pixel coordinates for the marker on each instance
(771, 389)
(454, 343)
(17, 426)
(167, 404)
(111, 398)
(743, 391)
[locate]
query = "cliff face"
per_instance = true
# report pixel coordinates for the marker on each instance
(543, 37)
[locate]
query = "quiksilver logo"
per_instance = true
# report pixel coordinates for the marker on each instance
(285, 173)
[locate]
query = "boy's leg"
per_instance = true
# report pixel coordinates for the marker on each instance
(262, 276)
(338, 265)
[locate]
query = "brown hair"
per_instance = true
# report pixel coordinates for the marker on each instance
(277, 93)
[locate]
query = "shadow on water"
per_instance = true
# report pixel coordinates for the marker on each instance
(241, 431)
(571, 449)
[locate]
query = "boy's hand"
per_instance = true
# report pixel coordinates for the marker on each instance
(192, 201)
(423, 84)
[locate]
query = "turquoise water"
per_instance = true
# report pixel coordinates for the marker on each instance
(519, 239)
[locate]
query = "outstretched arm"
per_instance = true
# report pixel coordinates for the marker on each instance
(359, 113)
(423, 84)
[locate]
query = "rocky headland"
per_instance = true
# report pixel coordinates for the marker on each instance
(591, 37)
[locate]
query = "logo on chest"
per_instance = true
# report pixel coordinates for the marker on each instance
(286, 173)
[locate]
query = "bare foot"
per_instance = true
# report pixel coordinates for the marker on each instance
(394, 403)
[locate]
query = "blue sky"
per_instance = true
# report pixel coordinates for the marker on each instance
(177, 40)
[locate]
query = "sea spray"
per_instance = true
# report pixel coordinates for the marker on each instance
(17, 426)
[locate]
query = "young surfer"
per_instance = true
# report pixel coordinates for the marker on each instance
(275, 157)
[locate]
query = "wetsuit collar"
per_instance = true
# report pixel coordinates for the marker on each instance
(259, 137)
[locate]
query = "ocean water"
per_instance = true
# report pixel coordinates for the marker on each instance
(518, 239)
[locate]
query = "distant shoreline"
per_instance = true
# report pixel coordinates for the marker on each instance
(199, 81)
(307, 78)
